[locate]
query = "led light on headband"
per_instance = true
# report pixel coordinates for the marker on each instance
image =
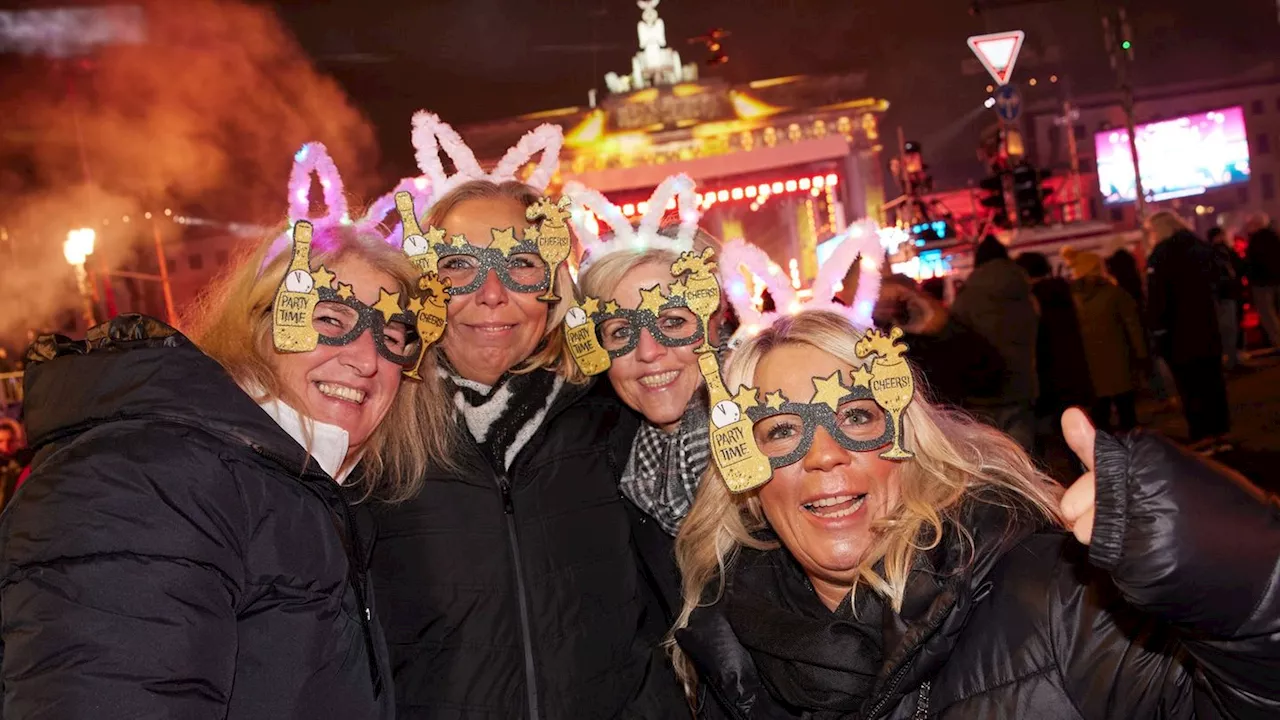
(597, 335)
(308, 311)
(751, 437)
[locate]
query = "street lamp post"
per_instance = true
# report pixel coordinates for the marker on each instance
(77, 249)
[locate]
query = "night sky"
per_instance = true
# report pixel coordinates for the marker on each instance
(473, 60)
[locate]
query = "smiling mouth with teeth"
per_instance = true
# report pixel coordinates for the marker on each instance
(659, 379)
(341, 392)
(836, 507)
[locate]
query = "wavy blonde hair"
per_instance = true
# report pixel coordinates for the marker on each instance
(552, 353)
(232, 324)
(955, 458)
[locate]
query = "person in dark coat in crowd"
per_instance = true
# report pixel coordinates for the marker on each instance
(1122, 266)
(955, 362)
(1061, 365)
(510, 586)
(1183, 315)
(15, 458)
(996, 302)
(183, 548)
(1115, 345)
(1229, 269)
(1262, 265)
(961, 583)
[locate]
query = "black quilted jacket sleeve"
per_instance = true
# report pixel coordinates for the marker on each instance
(1195, 548)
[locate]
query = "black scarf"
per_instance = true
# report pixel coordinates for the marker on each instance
(809, 657)
(834, 664)
(503, 417)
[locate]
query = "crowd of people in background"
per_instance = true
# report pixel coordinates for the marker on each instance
(1023, 341)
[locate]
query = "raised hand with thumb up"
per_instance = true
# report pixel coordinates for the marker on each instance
(1080, 500)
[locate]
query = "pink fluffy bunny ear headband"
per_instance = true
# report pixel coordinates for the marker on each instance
(860, 239)
(590, 204)
(431, 135)
(312, 158)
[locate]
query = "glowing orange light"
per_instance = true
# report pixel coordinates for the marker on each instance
(643, 207)
(777, 187)
(722, 196)
(750, 191)
(764, 189)
(629, 209)
(819, 181)
(804, 183)
(833, 179)
(791, 186)
(736, 193)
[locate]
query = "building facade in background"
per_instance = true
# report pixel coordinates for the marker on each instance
(1213, 148)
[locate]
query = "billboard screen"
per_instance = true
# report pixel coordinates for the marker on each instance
(1180, 157)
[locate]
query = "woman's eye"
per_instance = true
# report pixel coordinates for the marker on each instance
(781, 431)
(673, 323)
(620, 333)
(856, 416)
(455, 264)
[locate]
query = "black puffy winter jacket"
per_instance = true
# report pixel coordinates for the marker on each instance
(169, 557)
(522, 594)
(1172, 612)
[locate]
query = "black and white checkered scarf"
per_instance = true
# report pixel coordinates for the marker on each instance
(503, 417)
(664, 469)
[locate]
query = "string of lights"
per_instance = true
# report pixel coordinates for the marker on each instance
(247, 230)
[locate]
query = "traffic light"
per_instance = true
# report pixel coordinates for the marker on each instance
(993, 185)
(1029, 194)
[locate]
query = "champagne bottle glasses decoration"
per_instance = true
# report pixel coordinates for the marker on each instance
(296, 297)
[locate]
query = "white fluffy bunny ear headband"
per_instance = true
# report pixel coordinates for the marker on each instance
(860, 239)
(431, 135)
(677, 189)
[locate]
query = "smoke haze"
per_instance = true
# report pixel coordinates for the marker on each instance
(203, 117)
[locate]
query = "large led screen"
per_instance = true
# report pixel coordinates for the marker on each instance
(1180, 157)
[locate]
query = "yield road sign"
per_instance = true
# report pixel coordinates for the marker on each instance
(998, 52)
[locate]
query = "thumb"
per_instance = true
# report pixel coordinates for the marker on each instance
(1079, 434)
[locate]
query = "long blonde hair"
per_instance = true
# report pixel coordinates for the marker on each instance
(1165, 224)
(232, 324)
(552, 353)
(956, 457)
